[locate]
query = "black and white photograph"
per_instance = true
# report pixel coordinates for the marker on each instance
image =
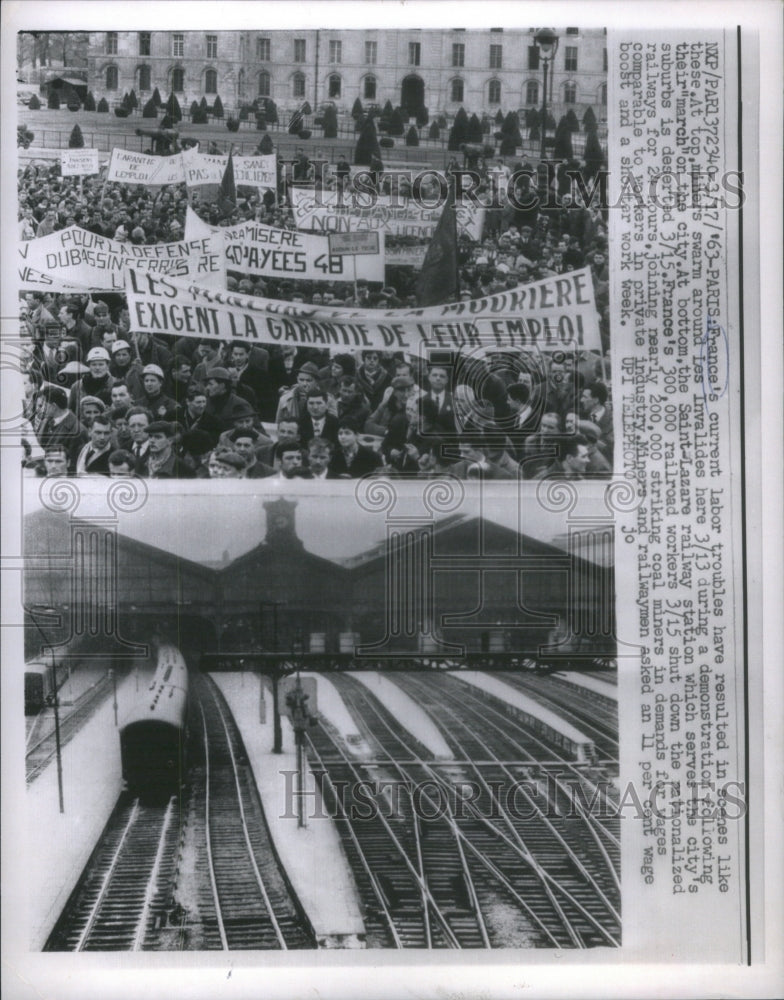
(497, 709)
(268, 737)
(466, 326)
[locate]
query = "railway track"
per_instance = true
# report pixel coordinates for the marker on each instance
(523, 824)
(409, 900)
(42, 749)
(122, 899)
(245, 900)
(598, 722)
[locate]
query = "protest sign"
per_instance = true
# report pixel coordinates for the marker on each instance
(78, 162)
(557, 312)
(358, 211)
(141, 168)
(253, 248)
(76, 257)
(251, 171)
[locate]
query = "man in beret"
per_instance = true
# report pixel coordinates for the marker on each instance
(222, 403)
(293, 402)
(242, 440)
(225, 465)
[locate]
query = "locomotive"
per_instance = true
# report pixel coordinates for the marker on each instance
(152, 739)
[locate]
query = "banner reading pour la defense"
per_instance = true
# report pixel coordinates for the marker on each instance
(347, 212)
(554, 313)
(77, 258)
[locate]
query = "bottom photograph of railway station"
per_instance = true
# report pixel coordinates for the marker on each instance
(278, 721)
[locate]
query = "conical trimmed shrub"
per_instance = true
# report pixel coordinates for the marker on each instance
(357, 109)
(217, 107)
(173, 109)
(367, 145)
(103, 106)
(330, 122)
(35, 104)
(76, 140)
(54, 100)
(156, 98)
(89, 101)
(412, 137)
(150, 109)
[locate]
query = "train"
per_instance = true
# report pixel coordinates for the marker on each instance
(537, 719)
(38, 684)
(152, 738)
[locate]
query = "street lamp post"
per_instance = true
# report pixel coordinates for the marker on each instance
(547, 42)
(277, 736)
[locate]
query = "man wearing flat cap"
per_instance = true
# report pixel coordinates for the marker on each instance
(61, 426)
(222, 403)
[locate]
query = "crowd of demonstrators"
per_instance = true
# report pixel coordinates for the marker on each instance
(103, 400)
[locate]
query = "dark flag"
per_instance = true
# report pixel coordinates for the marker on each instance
(227, 196)
(296, 122)
(439, 280)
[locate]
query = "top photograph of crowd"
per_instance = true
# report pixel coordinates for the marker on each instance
(319, 254)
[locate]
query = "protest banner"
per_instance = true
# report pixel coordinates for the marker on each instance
(358, 211)
(75, 257)
(141, 168)
(251, 171)
(253, 248)
(78, 162)
(403, 256)
(555, 313)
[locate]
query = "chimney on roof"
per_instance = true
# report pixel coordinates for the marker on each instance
(281, 524)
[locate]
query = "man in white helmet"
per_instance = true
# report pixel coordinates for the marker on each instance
(97, 382)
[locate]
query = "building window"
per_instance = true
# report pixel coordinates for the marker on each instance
(334, 85)
(144, 78)
(572, 31)
(371, 53)
(178, 46)
(414, 53)
(458, 55)
(212, 46)
(533, 57)
(335, 51)
(570, 59)
(210, 82)
(369, 92)
(178, 79)
(604, 60)
(603, 94)
(144, 43)
(456, 91)
(496, 56)
(532, 92)
(263, 49)
(111, 78)
(494, 92)
(299, 50)
(298, 85)
(570, 93)
(264, 85)
(111, 43)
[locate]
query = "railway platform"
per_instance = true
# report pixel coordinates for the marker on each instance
(59, 844)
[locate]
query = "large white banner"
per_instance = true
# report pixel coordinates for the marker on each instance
(351, 211)
(252, 171)
(76, 258)
(253, 248)
(556, 313)
(141, 168)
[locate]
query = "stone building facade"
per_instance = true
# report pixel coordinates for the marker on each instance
(482, 70)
